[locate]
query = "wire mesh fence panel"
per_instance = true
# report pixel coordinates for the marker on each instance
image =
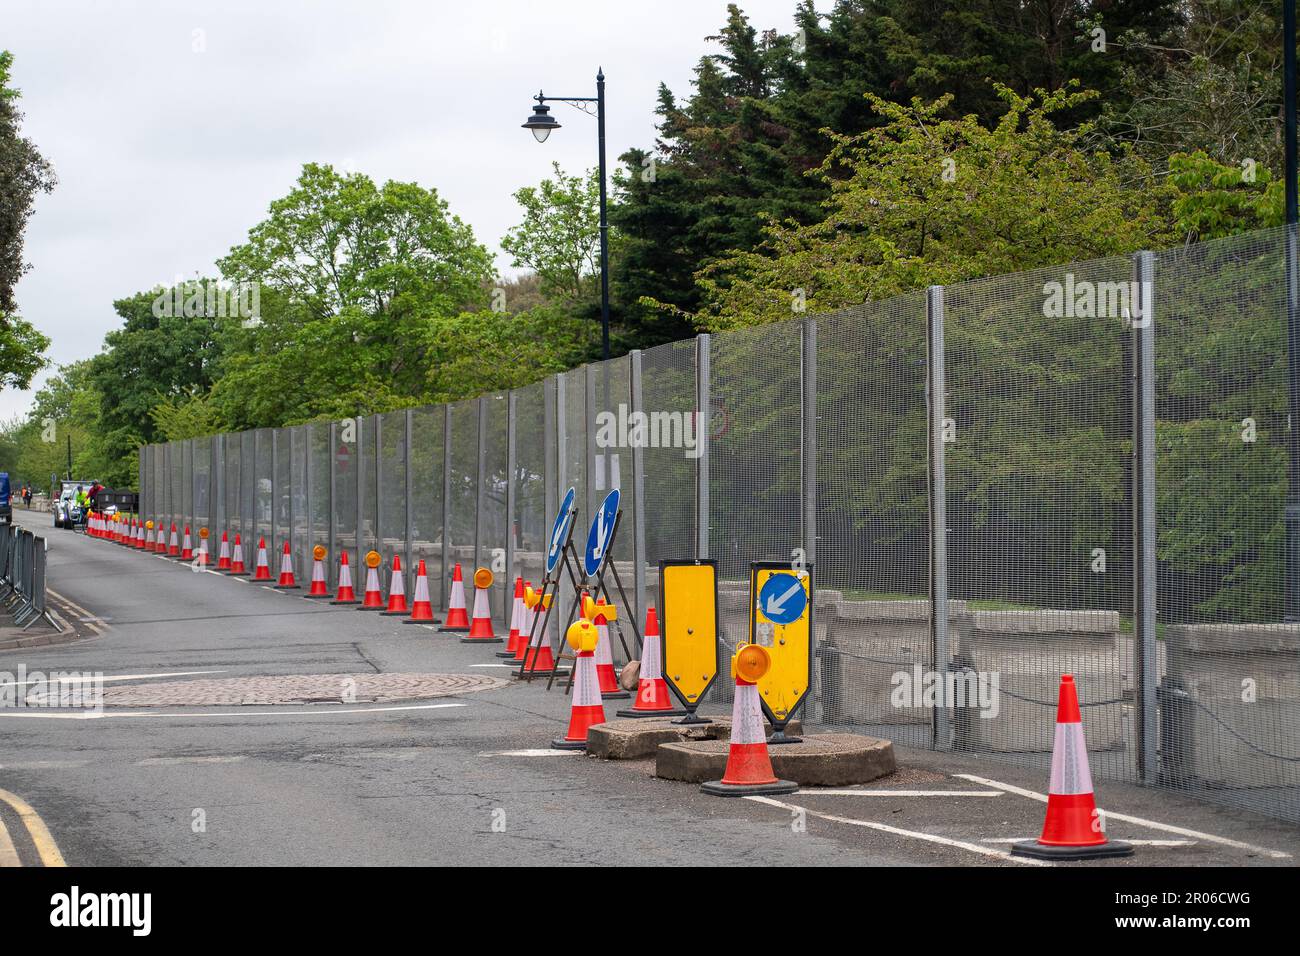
(299, 519)
(248, 494)
(531, 522)
(463, 472)
(608, 441)
(282, 517)
(345, 459)
(368, 500)
(263, 507)
(872, 610)
(668, 404)
(176, 479)
(232, 469)
(573, 452)
(427, 464)
(391, 500)
(187, 486)
(318, 491)
(493, 523)
(1230, 686)
(1037, 442)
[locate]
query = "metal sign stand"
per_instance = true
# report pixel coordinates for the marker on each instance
(551, 585)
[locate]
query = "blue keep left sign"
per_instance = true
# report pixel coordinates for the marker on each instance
(602, 531)
(782, 599)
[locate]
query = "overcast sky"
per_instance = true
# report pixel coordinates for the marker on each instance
(172, 125)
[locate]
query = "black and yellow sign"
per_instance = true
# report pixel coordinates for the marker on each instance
(688, 603)
(780, 619)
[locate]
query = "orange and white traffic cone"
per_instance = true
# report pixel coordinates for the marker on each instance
(262, 569)
(187, 546)
(345, 594)
(609, 687)
(516, 616)
(531, 600)
(155, 538)
(749, 768)
(173, 550)
(374, 598)
(286, 582)
(480, 625)
(540, 659)
(652, 696)
(237, 558)
(1074, 827)
(587, 709)
(421, 606)
(457, 619)
(201, 559)
(319, 589)
(223, 556)
(396, 591)
(143, 543)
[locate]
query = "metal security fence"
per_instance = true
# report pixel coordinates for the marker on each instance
(22, 577)
(1083, 469)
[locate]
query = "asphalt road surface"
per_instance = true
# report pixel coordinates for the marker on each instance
(460, 779)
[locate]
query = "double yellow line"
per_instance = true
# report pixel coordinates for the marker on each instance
(46, 848)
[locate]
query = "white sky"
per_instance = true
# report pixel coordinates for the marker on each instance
(166, 156)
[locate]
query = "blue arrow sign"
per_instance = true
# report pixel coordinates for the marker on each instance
(559, 530)
(782, 599)
(602, 529)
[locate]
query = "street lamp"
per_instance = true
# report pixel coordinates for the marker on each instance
(542, 123)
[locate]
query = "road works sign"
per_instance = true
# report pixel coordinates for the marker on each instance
(600, 535)
(560, 530)
(688, 607)
(780, 619)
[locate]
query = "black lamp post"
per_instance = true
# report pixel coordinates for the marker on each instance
(1291, 582)
(542, 123)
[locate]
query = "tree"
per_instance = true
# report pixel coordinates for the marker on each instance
(559, 237)
(23, 174)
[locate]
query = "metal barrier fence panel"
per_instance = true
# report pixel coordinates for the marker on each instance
(493, 519)
(390, 501)
(299, 518)
(1230, 677)
(609, 390)
(427, 465)
(318, 496)
(347, 471)
(532, 517)
(263, 509)
(233, 469)
(368, 495)
(462, 467)
(872, 613)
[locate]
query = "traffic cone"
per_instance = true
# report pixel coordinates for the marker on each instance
(480, 626)
(345, 594)
(609, 688)
(137, 536)
(1073, 828)
(749, 768)
(516, 615)
(237, 558)
(286, 582)
(374, 598)
(396, 591)
(527, 622)
(172, 550)
(539, 657)
(262, 569)
(201, 559)
(457, 619)
(159, 544)
(421, 607)
(223, 556)
(652, 699)
(142, 540)
(587, 709)
(187, 546)
(319, 589)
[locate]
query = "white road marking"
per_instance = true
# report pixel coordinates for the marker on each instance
(903, 793)
(1126, 840)
(90, 679)
(93, 715)
(897, 831)
(170, 761)
(548, 752)
(1138, 821)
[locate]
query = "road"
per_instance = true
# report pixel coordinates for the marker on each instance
(459, 779)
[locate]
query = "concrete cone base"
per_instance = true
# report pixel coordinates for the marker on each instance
(822, 760)
(560, 743)
(639, 737)
(719, 789)
(1040, 851)
(482, 640)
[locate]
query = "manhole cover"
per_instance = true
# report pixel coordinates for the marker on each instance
(297, 689)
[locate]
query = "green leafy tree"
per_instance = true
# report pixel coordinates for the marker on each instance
(559, 237)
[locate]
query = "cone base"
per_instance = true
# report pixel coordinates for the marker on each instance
(371, 607)
(453, 629)
(508, 655)
(285, 587)
(615, 695)
(693, 718)
(1042, 851)
(395, 613)
(236, 574)
(717, 788)
(633, 712)
(560, 743)
(352, 601)
(779, 737)
(422, 620)
(482, 640)
(316, 597)
(540, 673)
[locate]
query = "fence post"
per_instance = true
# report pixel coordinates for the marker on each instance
(511, 464)
(478, 481)
(379, 484)
(217, 484)
(703, 417)
(808, 452)
(331, 437)
(446, 506)
(1146, 668)
(294, 441)
(361, 490)
(409, 492)
(940, 648)
(637, 453)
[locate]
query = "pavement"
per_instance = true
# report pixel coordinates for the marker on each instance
(245, 725)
